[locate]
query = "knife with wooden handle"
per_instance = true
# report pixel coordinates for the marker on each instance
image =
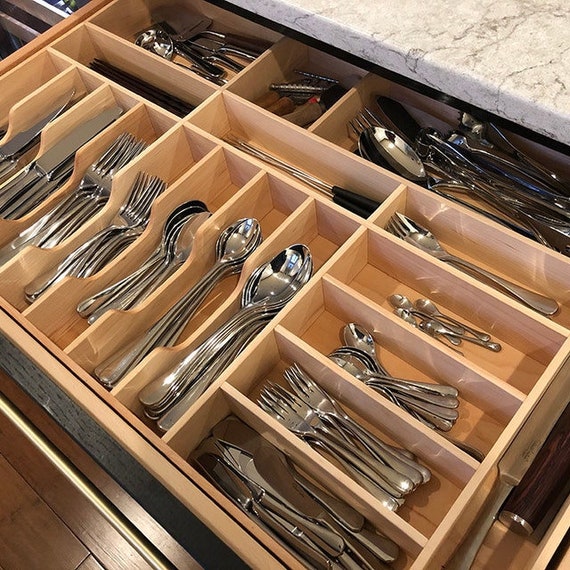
(543, 483)
(514, 464)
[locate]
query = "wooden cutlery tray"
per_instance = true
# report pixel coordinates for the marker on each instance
(358, 264)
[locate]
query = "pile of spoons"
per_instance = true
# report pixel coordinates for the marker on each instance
(233, 247)
(175, 247)
(267, 290)
(424, 315)
(434, 405)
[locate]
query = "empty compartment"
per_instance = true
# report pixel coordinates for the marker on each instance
(18, 83)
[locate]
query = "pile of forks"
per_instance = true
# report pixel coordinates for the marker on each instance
(389, 473)
(129, 222)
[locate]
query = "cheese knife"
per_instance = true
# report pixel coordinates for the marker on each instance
(514, 463)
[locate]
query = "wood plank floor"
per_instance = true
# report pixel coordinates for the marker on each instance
(46, 523)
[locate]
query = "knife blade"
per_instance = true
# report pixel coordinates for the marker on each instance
(74, 140)
(234, 431)
(22, 140)
(514, 463)
(48, 164)
(292, 536)
(287, 505)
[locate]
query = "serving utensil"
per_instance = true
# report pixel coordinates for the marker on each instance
(413, 233)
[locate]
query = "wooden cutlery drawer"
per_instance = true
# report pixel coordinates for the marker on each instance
(360, 269)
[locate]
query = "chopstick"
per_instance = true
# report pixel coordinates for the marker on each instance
(141, 87)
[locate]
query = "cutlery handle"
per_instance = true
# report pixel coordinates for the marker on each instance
(542, 304)
(545, 479)
(329, 541)
(293, 538)
(355, 203)
(195, 58)
(464, 556)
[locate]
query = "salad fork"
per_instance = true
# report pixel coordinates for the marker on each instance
(420, 237)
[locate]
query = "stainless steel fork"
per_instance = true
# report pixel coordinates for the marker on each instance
(313, 395)
(126, 226)
(349, 462)
(82, 204)
(413, 233)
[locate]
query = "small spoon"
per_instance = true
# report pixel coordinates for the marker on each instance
(357, 336)
(407, 316)
(402, 302)
(429, 308)
(435, 328)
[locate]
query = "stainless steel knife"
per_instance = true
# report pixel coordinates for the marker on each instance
(21, 141)
(49, 164)
(514, 464)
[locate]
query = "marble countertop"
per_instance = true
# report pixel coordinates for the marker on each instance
(511, 58)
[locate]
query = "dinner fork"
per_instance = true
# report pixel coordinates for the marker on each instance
(316, 397)
(420, 237)
(94, 254)
(397, 484)
(87, 199)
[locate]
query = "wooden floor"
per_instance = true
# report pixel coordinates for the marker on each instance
(45, 523)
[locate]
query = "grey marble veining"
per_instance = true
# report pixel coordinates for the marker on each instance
(511, 57)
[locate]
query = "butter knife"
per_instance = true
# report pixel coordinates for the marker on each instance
(514, 463)
(50, 163)
(20, 141)
(293, 537)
